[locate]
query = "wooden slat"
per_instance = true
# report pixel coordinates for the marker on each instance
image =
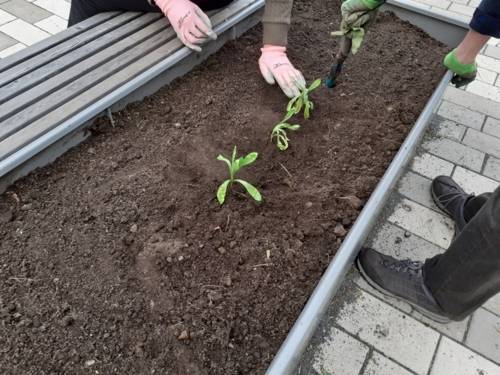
(58, 38)
(103, 88)
(47, 87)
(121, 58)
(15, 88)
(58, 50)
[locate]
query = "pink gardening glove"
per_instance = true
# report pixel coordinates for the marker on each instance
(193, 27)
(275, 67)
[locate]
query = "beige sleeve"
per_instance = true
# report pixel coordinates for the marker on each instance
(276, 21)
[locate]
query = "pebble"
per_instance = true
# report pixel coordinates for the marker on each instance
(177, 125)
(133, 228)
(89, 363)
(309, 204)
(407, 234)
(184, 335)
(221, 250)
(227, 281)
(339, 230)
(26, 207)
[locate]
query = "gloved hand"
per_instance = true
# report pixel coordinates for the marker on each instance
(192, 26)
(357, 15)
(464, 73)
(275, 67)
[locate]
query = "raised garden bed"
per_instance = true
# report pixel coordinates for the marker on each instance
(118, 258)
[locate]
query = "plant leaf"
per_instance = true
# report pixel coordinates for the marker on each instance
(234, 154)
(221, 192)
(306, 111)
(225, 160)
(314, 85)
(252, 190)
(291, 127)
(291, 103)
(249, 159)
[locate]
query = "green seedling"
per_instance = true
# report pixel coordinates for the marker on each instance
(234, 166)
(279, 132)
(296, 104)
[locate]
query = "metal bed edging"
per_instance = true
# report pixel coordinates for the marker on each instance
(72, 124)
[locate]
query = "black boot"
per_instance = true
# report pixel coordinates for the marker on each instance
(402, 279)
(451, 199)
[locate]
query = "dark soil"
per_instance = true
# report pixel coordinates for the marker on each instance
(117, 259)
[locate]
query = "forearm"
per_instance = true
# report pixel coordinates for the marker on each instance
(276, 21)
(486, 19)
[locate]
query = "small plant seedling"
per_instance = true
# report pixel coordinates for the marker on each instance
(279, 132)
(234, 166)
(296, 104)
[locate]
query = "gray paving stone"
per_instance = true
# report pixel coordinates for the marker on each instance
(416, 188)
(25, 10)
(449, 129)
(461, 115)
(484, 334)
(455, 330)
(473, 101)
(431, 166)
(492, 51)
(340, 353)
(492, 127)
(401, 244)
(455, 152)
(6, 41)
(492, 168)
(472, 182)
(493, 304)
(430, 225)
(390, 332)
(380, 365)
(454, 359)
(484, 142)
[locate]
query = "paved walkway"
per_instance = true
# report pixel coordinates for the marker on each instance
(25, 22)
(366, 333)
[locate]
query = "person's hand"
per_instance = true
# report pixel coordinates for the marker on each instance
(357, 15)
(192, 26)
(464, 73)
(275, 67)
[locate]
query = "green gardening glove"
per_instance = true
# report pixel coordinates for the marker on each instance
(357, 15)
(463, 73)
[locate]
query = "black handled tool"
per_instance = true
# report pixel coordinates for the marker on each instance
(340, 57)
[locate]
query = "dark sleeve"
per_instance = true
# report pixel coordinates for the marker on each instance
(486, 19)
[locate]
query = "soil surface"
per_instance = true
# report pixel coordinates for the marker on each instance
(117, 259)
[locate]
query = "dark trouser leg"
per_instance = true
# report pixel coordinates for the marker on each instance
(83, 9)
(468, 274)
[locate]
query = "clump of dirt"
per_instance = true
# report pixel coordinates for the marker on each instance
(117, 259)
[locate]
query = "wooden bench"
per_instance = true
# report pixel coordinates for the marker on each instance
(50, 92)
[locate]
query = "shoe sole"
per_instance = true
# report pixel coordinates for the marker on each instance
(442, 208)
(433, 316)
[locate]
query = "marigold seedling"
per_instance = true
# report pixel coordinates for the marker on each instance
(234, 166)
(296, 104)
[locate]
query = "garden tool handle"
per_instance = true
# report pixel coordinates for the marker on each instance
(340, 57)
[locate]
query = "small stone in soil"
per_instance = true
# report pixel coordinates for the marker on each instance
(221, 250)
(89, 363)
(339, 230)
(309, 204)
(184, 335)
(407, 234)
(227, 281)
(133, 228)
